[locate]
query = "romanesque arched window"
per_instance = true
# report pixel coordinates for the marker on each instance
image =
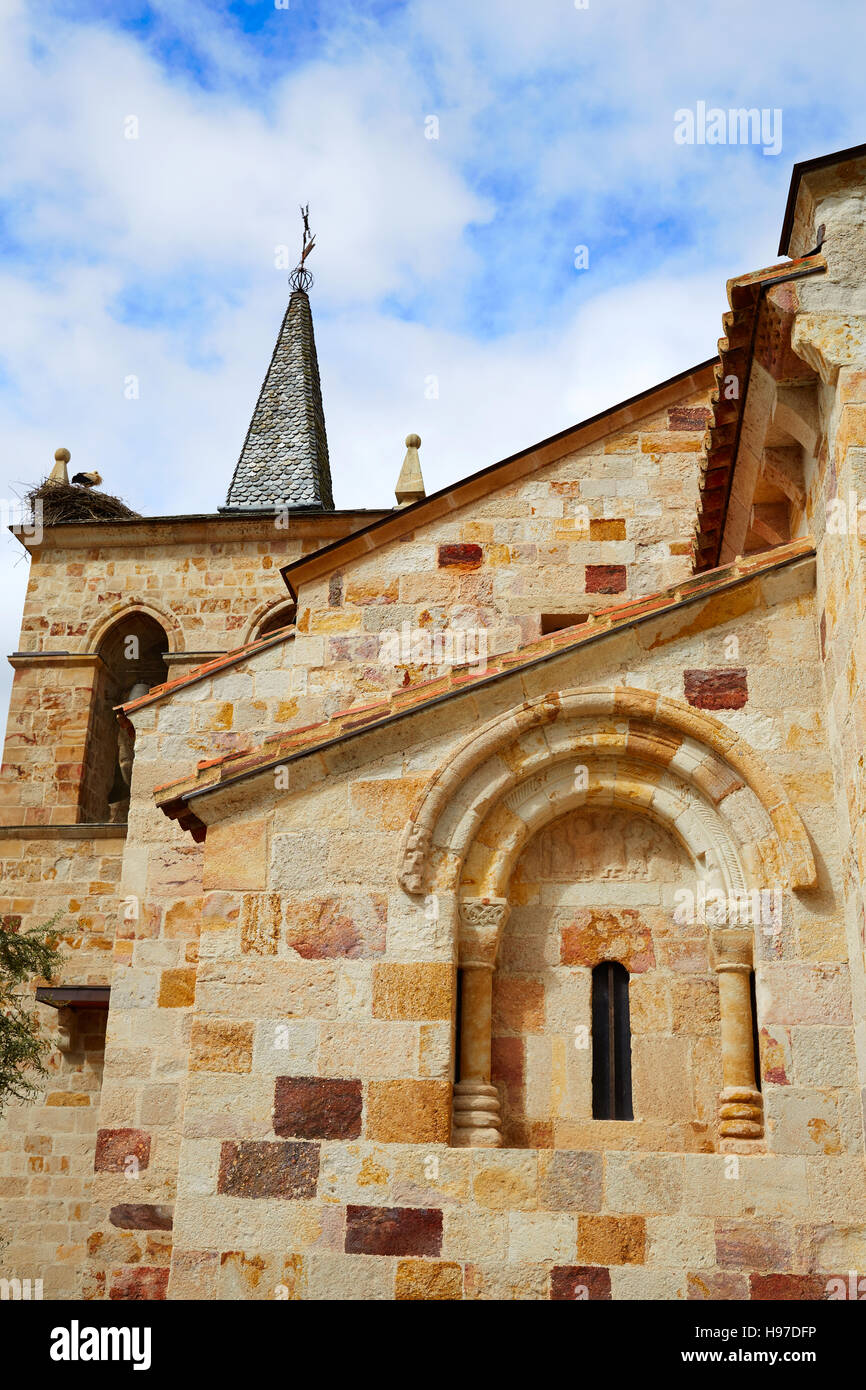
(131, 662)
(611, 1043)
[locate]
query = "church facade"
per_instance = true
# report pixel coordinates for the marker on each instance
(465, 900)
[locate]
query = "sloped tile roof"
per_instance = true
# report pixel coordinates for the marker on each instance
(200, 673)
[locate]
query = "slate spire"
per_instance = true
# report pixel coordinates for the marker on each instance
(284, 460)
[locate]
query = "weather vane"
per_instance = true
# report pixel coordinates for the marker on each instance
(301, 279)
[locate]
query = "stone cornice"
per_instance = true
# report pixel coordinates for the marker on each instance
(199, 528)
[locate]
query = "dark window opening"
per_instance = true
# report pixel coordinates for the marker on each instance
(756, 1041)
(555, 622)
(611, 1043)
(131, 663)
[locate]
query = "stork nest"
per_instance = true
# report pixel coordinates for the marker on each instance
(72, 502)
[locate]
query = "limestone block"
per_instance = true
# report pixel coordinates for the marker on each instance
(823, 1057)
(428, 1280)
(730, 1185)
(505, 1180)
(611, 1240)
(837, 1188)
(486, 1281)
(570, 1180)
(473, 1235)
(407, 1111)
(377, 1048)
(680, 1242)
(221, 1045)
(802, 1120)
(645, 1183)
(541, 1235)
(236, 856)
(628, 1282)
(364, 1278)
(413, 990)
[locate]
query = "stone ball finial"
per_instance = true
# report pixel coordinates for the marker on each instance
(410, 484)
(62, 455)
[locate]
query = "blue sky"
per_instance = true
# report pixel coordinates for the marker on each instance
(450, 258)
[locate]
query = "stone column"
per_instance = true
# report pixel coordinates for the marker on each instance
(476, 1121)
(741, 1107)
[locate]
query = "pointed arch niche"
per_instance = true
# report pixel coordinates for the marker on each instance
(665, 775)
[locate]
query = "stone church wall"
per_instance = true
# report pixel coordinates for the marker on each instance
(289, 1011)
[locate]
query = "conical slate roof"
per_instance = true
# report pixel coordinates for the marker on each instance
(284, 461)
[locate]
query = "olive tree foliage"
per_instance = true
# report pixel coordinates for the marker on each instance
(24, 956)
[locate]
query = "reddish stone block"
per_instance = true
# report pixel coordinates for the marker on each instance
(467, 556)
(321, 929)
(116, 1148)
(581, 1282)
(722, 687)
(141, 1283)
(606, 579)
(309, 1107)
(752, 1245)
(594, 934)
(688, 417)
(711, 1284)
(771, 1288)
(141, 1216)
(393, 1231)
(258, 1168)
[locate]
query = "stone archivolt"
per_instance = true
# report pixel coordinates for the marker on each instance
(632, 747)
(600, 750)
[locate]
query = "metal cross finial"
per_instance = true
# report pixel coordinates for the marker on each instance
(301, 279)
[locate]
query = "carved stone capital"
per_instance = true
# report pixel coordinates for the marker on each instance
(732, 948)
(482, 921)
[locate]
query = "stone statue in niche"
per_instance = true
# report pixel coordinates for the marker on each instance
(603, 844)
